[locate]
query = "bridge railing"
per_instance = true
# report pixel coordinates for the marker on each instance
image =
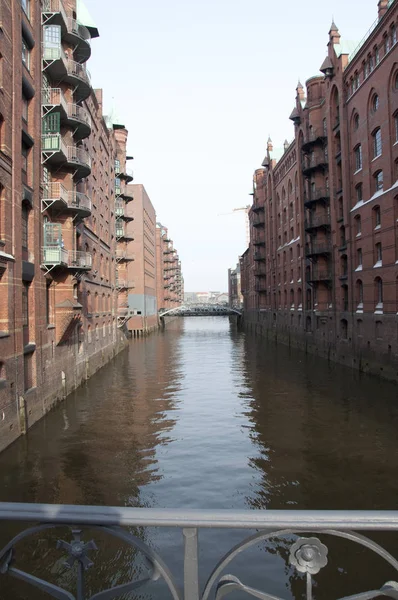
(305, 553)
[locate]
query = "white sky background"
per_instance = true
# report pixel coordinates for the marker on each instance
(200, 84)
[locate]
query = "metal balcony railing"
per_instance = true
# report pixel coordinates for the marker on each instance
(318, 220)
(78, 113)
(124, 284)
(51, 7)
(314, 135)
(318, 194)
(318, 248)
(259, 219)
(54, 97)
(276, 532)
(119, 208)
(73, 259)
(320, 274)
(56, 192)
(317, 160)
(78, 70)
(78, 156)
(53, 142)
(79, 30)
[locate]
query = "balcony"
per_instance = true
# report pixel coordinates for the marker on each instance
(259, 219)
(318, 248)
(72, 115)
(124, 256)
(260, 286)
(315, 136)
(320, 275)
(122, 233)
(316, 195)
(124, 284)
(317, 221)
(120, 211)
(259, 254)
(127, 175)
(57, 153)
(59, 67)
(53, 13)
(257, 208)
(259, 269)
(56, 256)
(315, 162)
(80, 119)
(56, 196)
(127, 195)
(78, 36)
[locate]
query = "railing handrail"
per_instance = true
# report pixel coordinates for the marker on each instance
(80, 70)
(54, 189)
(81, 30)
(79, 113)
(80, 154)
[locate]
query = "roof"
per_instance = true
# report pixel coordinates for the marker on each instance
(345, 47)
(84, 18)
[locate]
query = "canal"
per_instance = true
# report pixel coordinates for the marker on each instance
(205, 416)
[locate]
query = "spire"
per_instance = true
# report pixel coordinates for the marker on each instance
(333, 27)
(300, 91)
(334, 35)
(270, 146)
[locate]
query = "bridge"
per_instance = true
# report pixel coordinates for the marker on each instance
(201, 310)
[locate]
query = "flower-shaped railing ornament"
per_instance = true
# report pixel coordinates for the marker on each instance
(308, 555)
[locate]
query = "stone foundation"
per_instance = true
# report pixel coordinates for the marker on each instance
(321, 334)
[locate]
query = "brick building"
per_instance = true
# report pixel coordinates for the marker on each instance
(235, 298)
(141, 272)
(170, 282)
(58, 240)
(321, 268)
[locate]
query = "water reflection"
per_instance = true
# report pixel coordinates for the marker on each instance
(204, 416)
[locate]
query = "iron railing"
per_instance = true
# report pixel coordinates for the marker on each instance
(54, 97)
(78, 70)
(79, 30)
(79, 156)
(55, 191)
(307, 554)
(73, 259)
(78, 113)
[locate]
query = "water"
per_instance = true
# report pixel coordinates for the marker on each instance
(204, 416)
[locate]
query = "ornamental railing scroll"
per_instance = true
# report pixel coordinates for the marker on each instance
(308, 555)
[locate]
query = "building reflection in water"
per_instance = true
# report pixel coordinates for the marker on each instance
(324, 438)
(96, 448)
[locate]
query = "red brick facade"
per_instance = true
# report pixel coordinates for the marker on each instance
(321, 270)
(170, 283)
(58, 216)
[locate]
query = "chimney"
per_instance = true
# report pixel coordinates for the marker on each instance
(382, 6)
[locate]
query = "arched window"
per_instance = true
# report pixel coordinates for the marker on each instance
(291, 298)
(358, 157)
(393, 34)
(396, 125)
(359, 295)
(356, 122)
(379, 294)
(376, 217)
(344, 329)
(298, 250)
(375, 103)
(299, 299)
(378, 181)
(377, 147)
(358, 225)
(396, 81)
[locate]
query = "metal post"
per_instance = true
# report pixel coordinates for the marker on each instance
(191, 578)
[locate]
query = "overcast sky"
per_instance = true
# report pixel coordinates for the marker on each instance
(200, 84)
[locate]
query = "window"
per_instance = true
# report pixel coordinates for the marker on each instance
(358, 225)
(358, 157)
(358, 192)
(25, 155)
(396, 126)
(25, 54)
(386, 44)
(26, 7)
(393, 35)
(25, 305)
(396, 81)
(379, 254)
(356, 122)
(377, 143)
(28, 371)
(379, 292)
(377, 56)
(378, 181)
(25, 107)
(359, 258)
(375, 103)
(359, 293)
(376, 217)
(25, 226)
(117, 165)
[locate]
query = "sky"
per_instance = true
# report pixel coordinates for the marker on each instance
(200, 85)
